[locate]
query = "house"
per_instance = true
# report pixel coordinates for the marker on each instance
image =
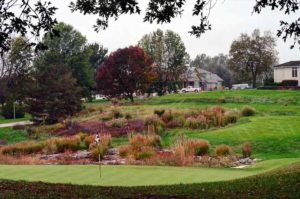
(200, 78)
(287, 71)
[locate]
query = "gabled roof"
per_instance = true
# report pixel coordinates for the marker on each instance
(216, 78)
(196, 74)
(289, 64)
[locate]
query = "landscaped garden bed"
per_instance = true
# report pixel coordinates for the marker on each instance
(74, 140)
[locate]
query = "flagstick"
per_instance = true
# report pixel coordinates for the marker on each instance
(100, 165)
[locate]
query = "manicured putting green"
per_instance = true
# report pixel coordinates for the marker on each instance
(132, 175)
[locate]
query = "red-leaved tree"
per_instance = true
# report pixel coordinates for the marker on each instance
(125, 72)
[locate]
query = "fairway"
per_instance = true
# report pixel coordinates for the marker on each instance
(133, 175)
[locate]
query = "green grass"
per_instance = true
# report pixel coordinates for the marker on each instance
(279, 183)
(271, 137)
(5, 121)
(133, 175)
(274, 133)
(10, 135)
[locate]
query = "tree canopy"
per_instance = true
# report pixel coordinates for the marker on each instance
(55, 94)
(125, 72)
(171, 59)
(15, 66)
(69, 50)
(35, 17)
(253, 55)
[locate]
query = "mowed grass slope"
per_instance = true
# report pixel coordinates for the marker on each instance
(133, 175)
(271, 137)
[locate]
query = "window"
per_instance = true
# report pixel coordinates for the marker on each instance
(294, 72)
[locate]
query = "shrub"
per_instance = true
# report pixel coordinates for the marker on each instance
(124, 150)
(159, 112)
(141, 146)
(98, 150)
(155, 124)
(197, 123)
(145, 153)
(197, 147)
(181, 156)
(101, 149)
(8, 110)
(62, 144)
(23, 148)
(289, 83)
(247, 150)
(223, 150)
(116, 113)
(167, 116)
(128, 116)
(248, 111)
(231, 116)
(89, 140)
(138, 141)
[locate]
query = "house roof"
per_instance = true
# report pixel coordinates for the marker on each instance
(216, 78)
(288, 64)
(195, 74)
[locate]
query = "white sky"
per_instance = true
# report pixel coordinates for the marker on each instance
(229, 19)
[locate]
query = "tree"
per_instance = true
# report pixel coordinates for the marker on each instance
(55, 94)
(38, 16)
(15, 66)
(170, 57)
(125, 72)
(216, 64)
(69, 50)
(98, 54)
(253, 55)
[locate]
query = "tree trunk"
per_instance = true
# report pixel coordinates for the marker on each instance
(131, 98)
(254, 81)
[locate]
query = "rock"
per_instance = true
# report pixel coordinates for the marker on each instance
(82, 154)
(113, 151)
(245, 161)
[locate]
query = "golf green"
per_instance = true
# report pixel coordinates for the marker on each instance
(132, 175)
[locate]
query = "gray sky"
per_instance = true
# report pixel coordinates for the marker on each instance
(229, 19)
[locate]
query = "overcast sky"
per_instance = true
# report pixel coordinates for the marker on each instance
(229, 19)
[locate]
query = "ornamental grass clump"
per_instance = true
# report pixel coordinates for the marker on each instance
(141, 147)
(167, 116)
(154, 124)
(197, 147)
(159, 112)
(116, 113)
(231, 116)
(101, 148)
(247, 150)
(199, 122)
(223, 150)
(62, 144)
(23, 148)
(248, 111)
